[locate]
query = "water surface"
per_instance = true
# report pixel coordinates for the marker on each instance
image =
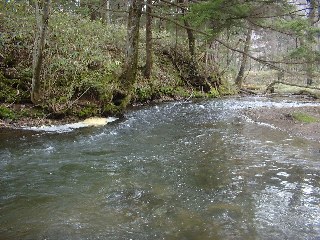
(195, 170)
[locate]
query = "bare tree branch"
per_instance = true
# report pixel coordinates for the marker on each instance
(269, 63)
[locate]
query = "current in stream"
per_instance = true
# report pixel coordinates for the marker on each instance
(183, 170)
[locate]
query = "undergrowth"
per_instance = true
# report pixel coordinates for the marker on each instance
(83, 60)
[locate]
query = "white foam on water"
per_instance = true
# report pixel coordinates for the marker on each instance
(89, 122)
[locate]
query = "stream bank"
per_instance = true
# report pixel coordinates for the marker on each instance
(297, 121)
(301, 121)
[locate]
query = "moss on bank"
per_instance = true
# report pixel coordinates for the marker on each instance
(304, 117)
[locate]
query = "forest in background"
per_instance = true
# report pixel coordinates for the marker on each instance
(84, 58)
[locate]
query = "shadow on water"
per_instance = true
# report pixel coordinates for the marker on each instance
(170, 171)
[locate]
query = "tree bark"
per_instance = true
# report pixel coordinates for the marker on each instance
(105, 11)
(42, 25)
(149, 59)
(128, 76)
(312, 16)
(192, 44)
(239, 79)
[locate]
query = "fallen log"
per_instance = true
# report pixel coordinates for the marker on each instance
(247, 91)
(270, 87)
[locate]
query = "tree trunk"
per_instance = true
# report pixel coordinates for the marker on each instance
(191, 40)
(105, 11)
(128, 76)
(239, 79)
(108, 18)
(193, 72)
(149, 59)
(312, 16)
(42, 25)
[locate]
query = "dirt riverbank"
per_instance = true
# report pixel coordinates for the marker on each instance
(287, 119)
(284, 119)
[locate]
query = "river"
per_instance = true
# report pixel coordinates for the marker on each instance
(182, 170)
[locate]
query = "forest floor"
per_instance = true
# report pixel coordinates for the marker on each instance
(297, 121)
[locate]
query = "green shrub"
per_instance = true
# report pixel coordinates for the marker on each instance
(181, 92)
(200, 94)
(6, 113)
(87, 111)
(167, 91)
(214, 93)
(144, 94)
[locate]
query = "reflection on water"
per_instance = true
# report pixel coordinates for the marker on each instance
(173, 171)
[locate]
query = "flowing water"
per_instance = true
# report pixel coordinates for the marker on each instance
(195, 170)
